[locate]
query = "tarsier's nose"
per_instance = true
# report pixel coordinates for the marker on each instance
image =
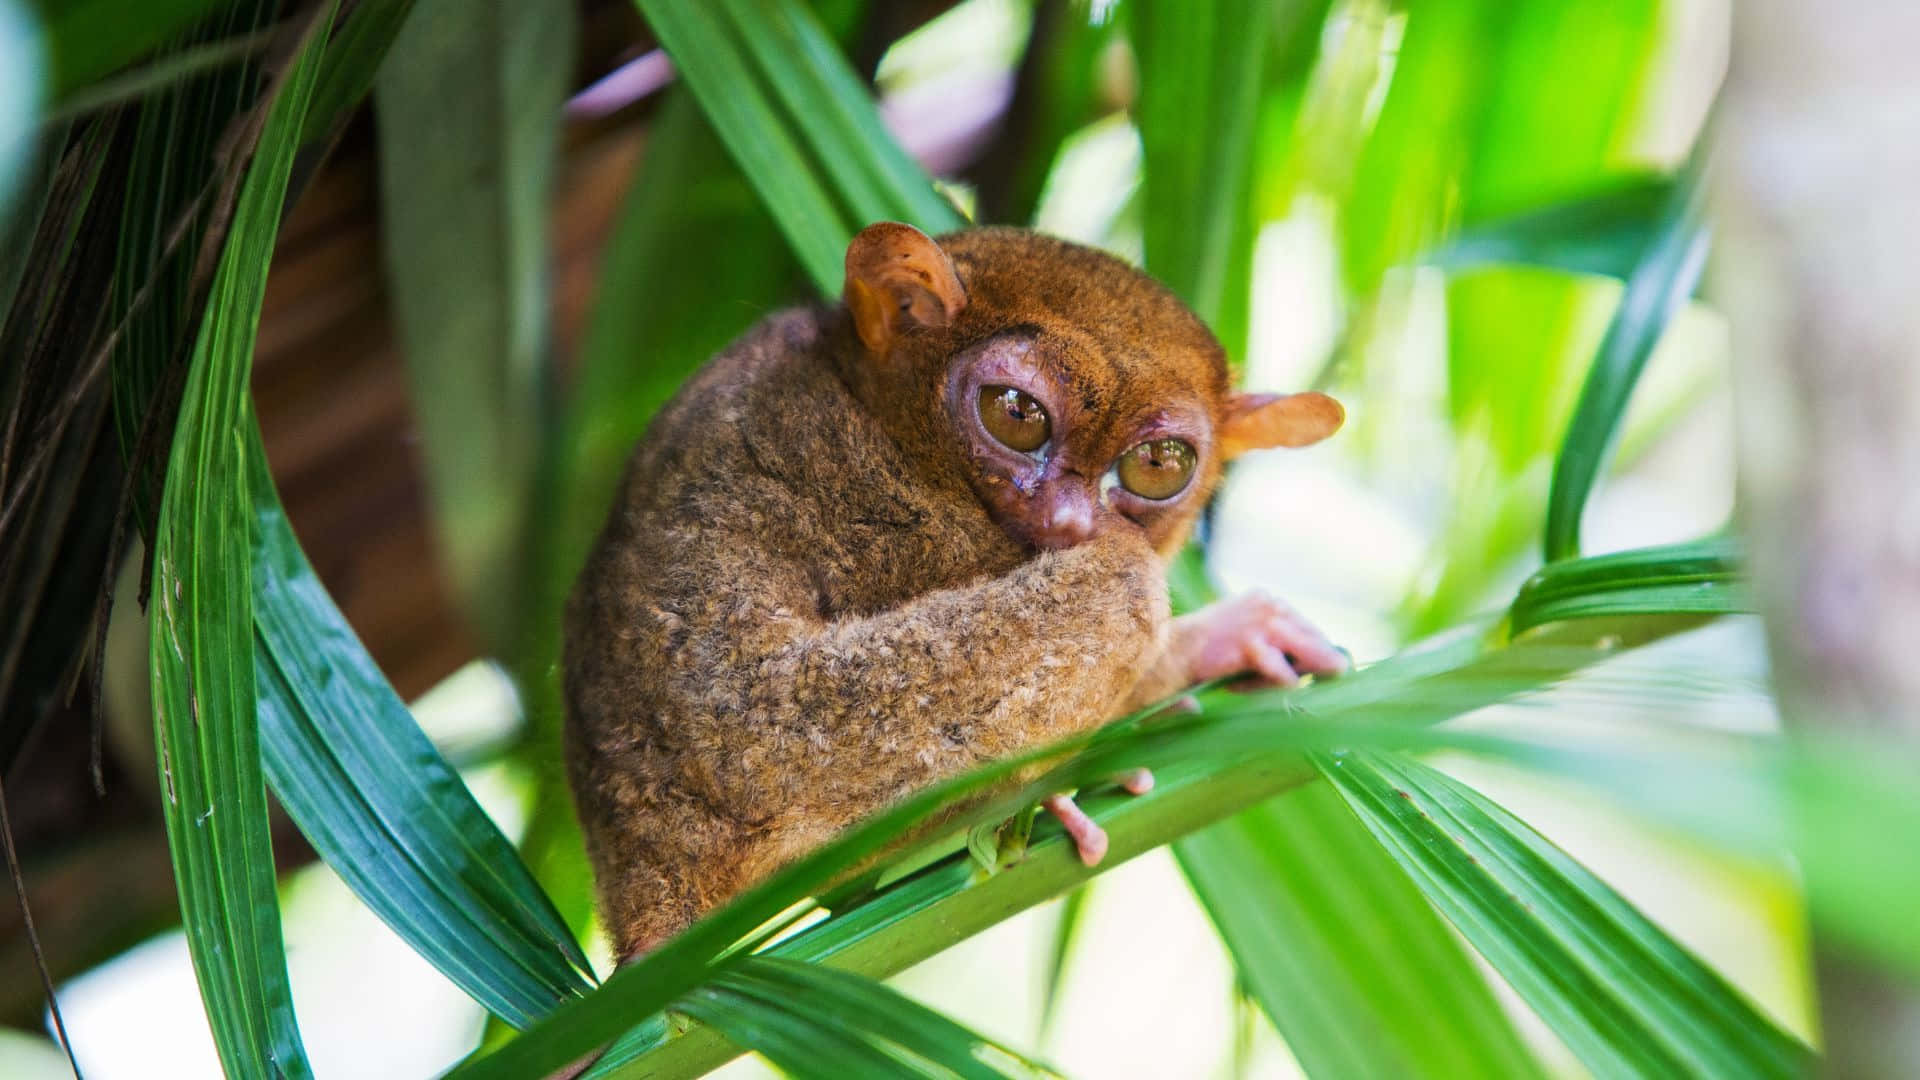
(1064, 516)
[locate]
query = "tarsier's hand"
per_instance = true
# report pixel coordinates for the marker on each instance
(1254, 633)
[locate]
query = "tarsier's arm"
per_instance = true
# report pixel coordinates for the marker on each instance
(862, 710)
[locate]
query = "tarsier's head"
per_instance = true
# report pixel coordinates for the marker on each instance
(1080, 394)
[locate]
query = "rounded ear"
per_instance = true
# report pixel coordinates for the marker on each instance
(898, 277)
(1259, 421)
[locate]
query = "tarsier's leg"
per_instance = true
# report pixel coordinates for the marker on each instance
(1253, 633)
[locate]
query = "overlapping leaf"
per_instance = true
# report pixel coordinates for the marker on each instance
(1240, 752)
(380, 804)
(1666, 275)
(1336, 944)
(214, 795)
(799, 122)
(1623, 995)
(1200, 79)
(1700, 576)
(814, 1021)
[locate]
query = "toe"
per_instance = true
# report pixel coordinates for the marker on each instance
(1311, 651)
(1271, 663)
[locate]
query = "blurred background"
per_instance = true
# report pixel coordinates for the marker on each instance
(1393, 148)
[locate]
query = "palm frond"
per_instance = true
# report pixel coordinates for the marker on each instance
(215, 796)
(1623, 995)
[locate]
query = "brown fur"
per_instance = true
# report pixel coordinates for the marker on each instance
(801, 609)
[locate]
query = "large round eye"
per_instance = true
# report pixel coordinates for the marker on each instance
(1015, 418)
(1156, 469)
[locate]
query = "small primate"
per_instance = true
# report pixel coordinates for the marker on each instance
(871, 545)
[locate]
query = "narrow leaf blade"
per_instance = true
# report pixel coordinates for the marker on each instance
(1666, 275)
(1700, 576)
(381, 805)
(806, 134)
(1625, 997)
(1603, 233)
(1355, 969)
(214, 794)
(1200, 73)
(826, 1000)
(467, 113)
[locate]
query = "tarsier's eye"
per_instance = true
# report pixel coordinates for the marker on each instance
(1156, 469)
(1015, 418)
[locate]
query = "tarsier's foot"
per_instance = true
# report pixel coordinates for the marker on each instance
(1088, 837)
(1255, 633)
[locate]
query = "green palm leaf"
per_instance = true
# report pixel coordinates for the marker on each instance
(1241, 751)
(1660, 283)
(1200, 77)
(381, 805)
(1603, 233)
(1336, 944)
(467, 136)
(813, 1021)
(94, 38)
(1700, 576)
(806, 135)
(206, 728)
(1622, 994)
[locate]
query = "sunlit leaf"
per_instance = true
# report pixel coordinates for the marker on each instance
(1665, 276)
(1066, 931)
(1603, 233)
(1200, 79)
(806, 135)
(1564, 100)
(1700, 576)
(1625, 997)
(1241, 750)
(206, 728)
(1352, 965)
(817, 1022)
(1410, 165)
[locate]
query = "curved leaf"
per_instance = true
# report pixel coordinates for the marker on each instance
(816, 1021)
(381, 805)
(1626, 998)
(1666, 275)
(1700, 576)
(1354, 968)
(806, 134)
(1605, 233)
(205, 725)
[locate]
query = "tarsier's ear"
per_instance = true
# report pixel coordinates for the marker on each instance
(1258, 421)
(897, 277)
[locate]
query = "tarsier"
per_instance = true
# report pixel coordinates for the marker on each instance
(871, 545)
